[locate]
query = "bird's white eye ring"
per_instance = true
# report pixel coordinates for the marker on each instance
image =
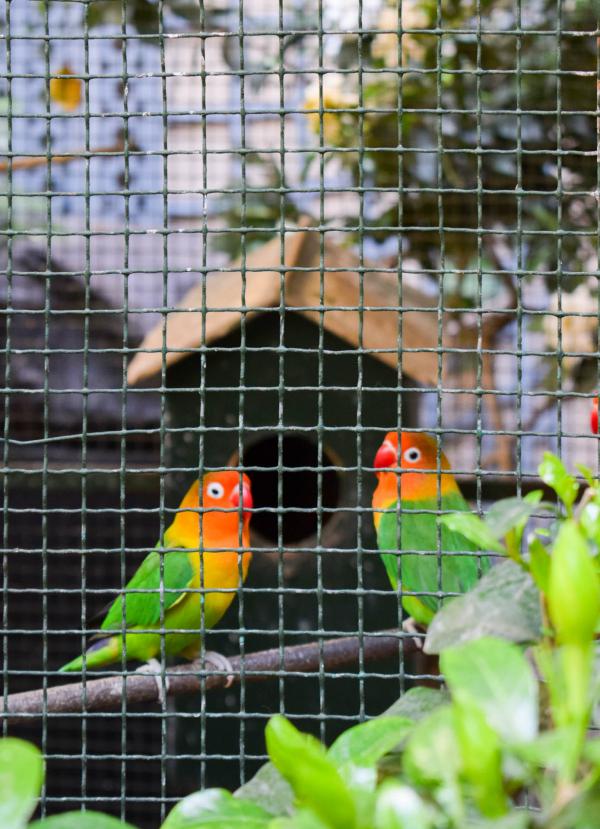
(215, 490)
(412, 455)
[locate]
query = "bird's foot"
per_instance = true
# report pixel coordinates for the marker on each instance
(153, 668)
(410, 626)
(221, 664)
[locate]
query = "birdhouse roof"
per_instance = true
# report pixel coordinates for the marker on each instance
(369, 313)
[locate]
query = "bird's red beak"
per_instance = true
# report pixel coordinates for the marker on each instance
(594, 417)
(386, 457)
(234, 497)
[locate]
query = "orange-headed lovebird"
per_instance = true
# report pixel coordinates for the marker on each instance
(200, 554)
(594, 416)
(424, 493)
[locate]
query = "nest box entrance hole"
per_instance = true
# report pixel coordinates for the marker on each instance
(300, 475)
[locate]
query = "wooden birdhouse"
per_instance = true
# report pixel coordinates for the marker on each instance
(295, 375)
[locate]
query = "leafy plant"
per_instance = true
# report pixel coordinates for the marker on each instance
(512, 600)
(21, 778)
(473, 761)
(21, 773)
(145, 15)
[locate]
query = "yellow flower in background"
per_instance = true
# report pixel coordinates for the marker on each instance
(66, 91)
(578, 333)
(333, 122)
(385, 45)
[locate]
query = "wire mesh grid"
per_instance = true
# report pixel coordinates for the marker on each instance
(445, 153)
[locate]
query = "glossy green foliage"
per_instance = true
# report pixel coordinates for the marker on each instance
(573, 592)
(314, 778)
(217, 809)
(80, 820)
(552, 471)
(21, 775)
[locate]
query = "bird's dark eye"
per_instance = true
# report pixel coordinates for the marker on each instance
(412, 455)
(215, 490)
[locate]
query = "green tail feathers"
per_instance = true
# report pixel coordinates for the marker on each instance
(101, 653)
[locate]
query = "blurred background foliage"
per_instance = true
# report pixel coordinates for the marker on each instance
(468, 133)
(489, 124)
(469, 129)
(456, 142)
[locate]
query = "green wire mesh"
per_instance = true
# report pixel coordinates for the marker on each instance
(451, 147)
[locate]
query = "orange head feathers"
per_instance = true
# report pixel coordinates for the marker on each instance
(218, 506)
(417, 456)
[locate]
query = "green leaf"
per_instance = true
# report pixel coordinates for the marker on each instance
(432, 754)
(494, 676)
(218, 809)
(553, 473)
(511, 513)
(80, 820)
(504, 603)
(481, 758)
(269, 789)
(432, 761)
(580, 812)
(549, 750)
(365, 744)
(539, 562)
(473, 528)
(417, 703)
(21, 777)
(400, 807)
(591, 751)
(302, 760)
(589, 520)
(302, 819)
(588, 475)
(574, 588)
(515, 820)
(515, 535)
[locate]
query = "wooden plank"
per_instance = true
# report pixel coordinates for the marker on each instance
(182, 331)
(175, 338)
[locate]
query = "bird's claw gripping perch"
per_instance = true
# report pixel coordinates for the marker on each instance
(220, 663)
(410, 626)
(153, 668)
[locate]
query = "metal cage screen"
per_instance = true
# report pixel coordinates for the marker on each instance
(302, 155)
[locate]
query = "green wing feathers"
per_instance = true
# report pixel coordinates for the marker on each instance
(415, 527)
(143, 608)
(138, 610)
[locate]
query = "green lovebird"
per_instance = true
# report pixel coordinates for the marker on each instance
(201, 551)
(424, 492)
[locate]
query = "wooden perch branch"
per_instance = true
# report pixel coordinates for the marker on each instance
(31, 162)
(106, 694)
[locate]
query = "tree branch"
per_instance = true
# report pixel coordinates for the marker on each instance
(30, 162)
(107, 694)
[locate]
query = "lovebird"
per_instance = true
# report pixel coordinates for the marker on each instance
(200, 551)
(594, 416)
(419, 485)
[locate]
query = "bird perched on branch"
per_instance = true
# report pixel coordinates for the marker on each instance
(426, 489)
(185, 584)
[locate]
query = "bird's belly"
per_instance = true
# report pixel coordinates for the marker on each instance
(211, 592)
